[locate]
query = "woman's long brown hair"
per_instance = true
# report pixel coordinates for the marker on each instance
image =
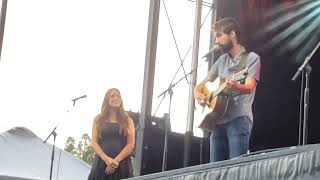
(122, 116)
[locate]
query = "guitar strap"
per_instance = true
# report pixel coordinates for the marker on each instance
(243, 62)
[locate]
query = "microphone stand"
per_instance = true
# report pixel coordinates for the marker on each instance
(165, 146)
(306, 69)
(54, 133)
(169, 89)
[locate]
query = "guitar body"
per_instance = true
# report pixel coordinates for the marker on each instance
(218, 106)
(217, 100)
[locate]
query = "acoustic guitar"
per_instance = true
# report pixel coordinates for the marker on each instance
(217, 100)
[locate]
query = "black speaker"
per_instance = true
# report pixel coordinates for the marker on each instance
(153, 147)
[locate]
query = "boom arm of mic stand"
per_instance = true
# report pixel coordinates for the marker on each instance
(53, 132)
(306, 61)
(174, 84)
(170, 88)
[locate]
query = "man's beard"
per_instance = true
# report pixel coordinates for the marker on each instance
(226, 47)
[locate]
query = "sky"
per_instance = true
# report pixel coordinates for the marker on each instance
(55, 51)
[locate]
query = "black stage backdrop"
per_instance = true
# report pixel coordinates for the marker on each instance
(283, 33)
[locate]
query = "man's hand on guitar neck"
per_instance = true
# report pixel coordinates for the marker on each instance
(231, 83)
(248, 86)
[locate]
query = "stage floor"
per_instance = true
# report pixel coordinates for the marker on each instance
(294, 163)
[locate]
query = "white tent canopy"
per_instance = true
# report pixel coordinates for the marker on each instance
(24, 156)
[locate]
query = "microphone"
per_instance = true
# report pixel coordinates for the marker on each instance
(215, 48)
(75, 99)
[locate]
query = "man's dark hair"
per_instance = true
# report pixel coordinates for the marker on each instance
(226, 25)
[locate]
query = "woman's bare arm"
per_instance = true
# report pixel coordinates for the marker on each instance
(126, 151)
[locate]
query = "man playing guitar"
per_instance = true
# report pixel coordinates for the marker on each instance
(231, 131)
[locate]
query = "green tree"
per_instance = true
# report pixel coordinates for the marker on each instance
(82, 150)
(70, 145)
(85, 151)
